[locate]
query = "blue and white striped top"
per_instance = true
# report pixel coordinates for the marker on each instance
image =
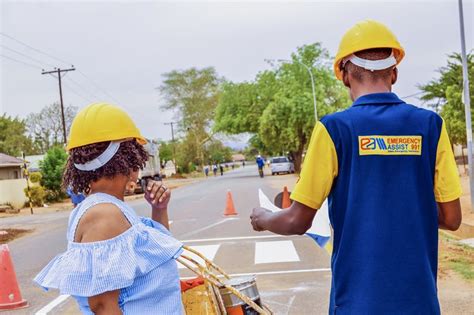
(140, 262)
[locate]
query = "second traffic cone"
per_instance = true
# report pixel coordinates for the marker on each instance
(286, 202)
(229, 207)
(10, 296)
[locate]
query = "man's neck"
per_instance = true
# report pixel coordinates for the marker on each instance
(362, 90)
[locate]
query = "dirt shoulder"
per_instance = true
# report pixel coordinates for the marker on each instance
(455, 276)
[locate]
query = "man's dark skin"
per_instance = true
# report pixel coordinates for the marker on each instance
(298, 218)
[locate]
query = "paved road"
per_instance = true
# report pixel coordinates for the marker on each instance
(293, 275)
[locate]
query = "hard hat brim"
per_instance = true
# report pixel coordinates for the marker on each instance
(399, 54)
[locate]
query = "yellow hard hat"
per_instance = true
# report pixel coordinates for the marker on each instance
(101, 122)
(364, 35)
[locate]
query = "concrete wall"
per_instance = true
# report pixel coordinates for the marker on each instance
(11, 191)
(458, 152)
(11, 172)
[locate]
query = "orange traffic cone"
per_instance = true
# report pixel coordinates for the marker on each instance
(286, 202)
(229, 208)
(10, 296)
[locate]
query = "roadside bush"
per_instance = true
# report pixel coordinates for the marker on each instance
(37, 195)
(35, 177)
(186, 169)
(52, 168)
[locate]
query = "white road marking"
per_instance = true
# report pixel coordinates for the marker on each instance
(60, 299)
(269, 273)
(236, 238)
(209, 226)
(275, 252)
(468, 242)
(209, 251)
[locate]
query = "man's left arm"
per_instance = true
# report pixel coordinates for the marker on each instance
(447, 186)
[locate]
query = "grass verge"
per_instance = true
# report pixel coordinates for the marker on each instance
(455, 256)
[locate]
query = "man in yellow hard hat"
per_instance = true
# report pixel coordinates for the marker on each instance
(392, 181)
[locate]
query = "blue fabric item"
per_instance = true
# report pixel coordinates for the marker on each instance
(320, 240)
(260, 162)
(383, 211)
(75, 198)
(140, 262)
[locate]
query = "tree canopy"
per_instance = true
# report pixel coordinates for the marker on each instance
(278, 105)
(46, 127)
(52, 168)
(193, 95)
(444, 94)
(13, 138)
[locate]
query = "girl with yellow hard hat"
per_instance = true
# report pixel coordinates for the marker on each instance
(116, 262)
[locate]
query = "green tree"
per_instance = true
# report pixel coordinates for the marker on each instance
(186, 157)
(52, 168)
(278, 105)
(217, 152)
(166, 152)
(46, 127)
(193, 95)
(444, 94)
(13, 138)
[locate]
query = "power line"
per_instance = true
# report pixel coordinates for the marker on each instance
(97, 86)
(81, 87)
(25, 55)
(22, 62)
(412, 95)
(35, 49)
(92, 82)
(70, 89)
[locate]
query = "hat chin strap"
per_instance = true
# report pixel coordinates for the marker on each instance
(101, 160)
(371, 65)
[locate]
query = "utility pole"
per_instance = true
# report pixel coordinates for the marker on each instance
(58, 71)
(172, 123)
(26, 173)
(467, 103)
(172, 129)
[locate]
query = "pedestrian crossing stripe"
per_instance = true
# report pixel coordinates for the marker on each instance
(264, 252)
(275, 252)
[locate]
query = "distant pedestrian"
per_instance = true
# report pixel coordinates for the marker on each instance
(260, 163)
(221, 167)
(233, 165)
(243, 163)
(214, 169)
(206, 170)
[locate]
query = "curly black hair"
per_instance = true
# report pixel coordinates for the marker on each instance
(130, 156)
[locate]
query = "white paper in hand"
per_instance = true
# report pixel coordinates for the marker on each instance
(266, 203)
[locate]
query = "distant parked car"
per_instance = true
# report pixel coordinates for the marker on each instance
(281, 164)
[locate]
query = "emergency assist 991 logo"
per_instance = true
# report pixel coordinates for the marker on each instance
(390, 145)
